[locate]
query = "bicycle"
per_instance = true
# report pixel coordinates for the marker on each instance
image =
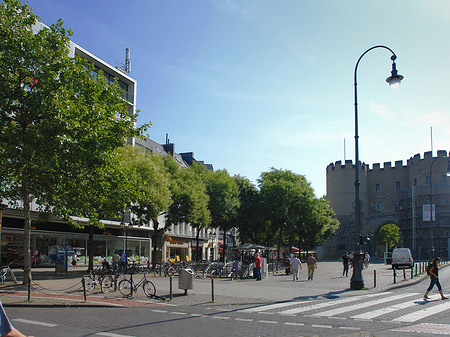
(110, 282)
(128, 286)
(95, 277)
(5, 271)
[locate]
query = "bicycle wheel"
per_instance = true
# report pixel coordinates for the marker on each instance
(107, 284)
(125, 288)
(13, 276)
(89, 283)
(149, 289)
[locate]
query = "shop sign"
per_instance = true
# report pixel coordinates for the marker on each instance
(169, 239)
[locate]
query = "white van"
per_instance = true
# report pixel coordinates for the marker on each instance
(401, 257)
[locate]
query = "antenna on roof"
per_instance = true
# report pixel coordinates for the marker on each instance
(127, 61)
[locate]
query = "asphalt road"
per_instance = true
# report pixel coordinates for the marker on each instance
(387, 312)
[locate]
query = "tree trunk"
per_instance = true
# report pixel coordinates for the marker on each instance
(224, 245)
(91, 247)
(27, 231)
(197, 250)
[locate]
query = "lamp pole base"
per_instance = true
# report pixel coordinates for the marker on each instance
(357, 281)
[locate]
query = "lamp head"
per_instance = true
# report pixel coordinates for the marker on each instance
(395, 79)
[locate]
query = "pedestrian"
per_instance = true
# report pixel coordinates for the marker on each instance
(287, 264)
(366, 260)
(311, 262)
(74, 261)
(345, 263)
(6, 328)
(123, 261)
(296, 265)
(116, 259)
(258, 267)
(433, 271)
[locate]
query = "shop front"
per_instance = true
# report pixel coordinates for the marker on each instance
(45, 238)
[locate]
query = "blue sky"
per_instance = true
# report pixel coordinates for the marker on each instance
(250, 85)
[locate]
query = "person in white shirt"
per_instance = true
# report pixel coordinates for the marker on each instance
(296, 266)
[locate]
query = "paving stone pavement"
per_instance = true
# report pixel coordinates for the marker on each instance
(49, 289)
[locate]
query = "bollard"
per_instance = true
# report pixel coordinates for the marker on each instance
(171, 288)
(212, 289)
(131, 281)
(84, 288)
(404, 273)
(395, 277)
(415, 266)
(412, 272)
(374, 278)
(29, 289)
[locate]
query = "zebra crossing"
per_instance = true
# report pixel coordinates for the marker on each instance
(386, 306)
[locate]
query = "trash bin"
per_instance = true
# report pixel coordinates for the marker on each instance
(185, 279)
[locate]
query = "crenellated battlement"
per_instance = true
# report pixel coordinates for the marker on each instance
(398, 164)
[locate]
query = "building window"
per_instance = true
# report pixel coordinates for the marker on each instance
(397, 186)
(415, 181)
(377, 188)
(427, 180)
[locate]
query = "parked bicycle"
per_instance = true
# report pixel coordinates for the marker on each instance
(5, 271)
(110, 282)
(128, 286)
(96, 276)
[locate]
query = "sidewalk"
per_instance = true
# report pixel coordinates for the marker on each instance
(65, 290)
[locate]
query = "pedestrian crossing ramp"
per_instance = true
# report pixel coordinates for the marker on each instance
(384, 306)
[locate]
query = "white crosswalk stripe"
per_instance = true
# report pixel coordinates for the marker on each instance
(417, 315)
(330, 303)
(387, 310)
(383, 304)
(360, 306)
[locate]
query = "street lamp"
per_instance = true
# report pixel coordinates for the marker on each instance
(431, 204)
(124, 226)
(394, 80)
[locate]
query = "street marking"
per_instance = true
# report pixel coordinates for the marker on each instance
(268, 322)
(330, 303)
(359, 306)
(272, 306)
(428, 328)
(178, 313)
(387, 310)
(322, 326)
(199, 315)
(294, 324)
(415, 316)
(49, 325)
(160, 311)
(109, 334)
(244, 319)
(221, 317)
(349, 328)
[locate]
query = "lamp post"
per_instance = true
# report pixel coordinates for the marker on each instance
(394, 80)
(432, 218)
(123, 225)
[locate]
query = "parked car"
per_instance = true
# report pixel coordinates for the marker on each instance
(402, 257)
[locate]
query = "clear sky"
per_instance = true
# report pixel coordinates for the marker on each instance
(252, 84)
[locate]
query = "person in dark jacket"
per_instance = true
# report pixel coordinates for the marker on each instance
(433, 271)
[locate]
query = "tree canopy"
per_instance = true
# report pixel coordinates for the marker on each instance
(59, 123)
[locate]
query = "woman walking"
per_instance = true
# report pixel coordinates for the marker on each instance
(433, 271)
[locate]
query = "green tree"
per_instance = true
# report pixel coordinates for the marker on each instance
(150, 182)
(282, 194)
(223, 202)
(390, 234)
(59, 123)
(249, 220)
(190, 200)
